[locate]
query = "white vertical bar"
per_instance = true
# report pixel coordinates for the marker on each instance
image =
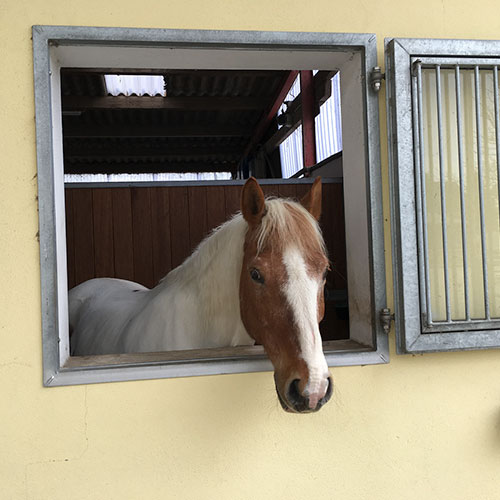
(442, 185)
(462, 192)
(422, 202)
(481, 190)
(497, 124)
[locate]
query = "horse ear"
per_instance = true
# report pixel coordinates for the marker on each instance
(312, 200)
(252, 202)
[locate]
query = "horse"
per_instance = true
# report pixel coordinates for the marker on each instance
(259, 277)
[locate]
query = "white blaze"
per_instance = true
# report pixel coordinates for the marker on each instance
(301, 291)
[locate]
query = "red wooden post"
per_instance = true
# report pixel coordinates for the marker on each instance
(308, 129)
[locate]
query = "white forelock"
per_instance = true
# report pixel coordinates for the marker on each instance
(279, 220)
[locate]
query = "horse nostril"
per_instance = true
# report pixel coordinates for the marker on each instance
(293, 391)
(329, 389)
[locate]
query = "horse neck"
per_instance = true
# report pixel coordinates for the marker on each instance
(212, 272)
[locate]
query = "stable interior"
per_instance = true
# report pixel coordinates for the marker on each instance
(149, 174)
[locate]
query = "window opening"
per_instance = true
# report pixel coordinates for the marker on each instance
(91, 158)
(93, 133)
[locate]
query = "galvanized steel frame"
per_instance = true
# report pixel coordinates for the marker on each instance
(52, 232)
(412, 296)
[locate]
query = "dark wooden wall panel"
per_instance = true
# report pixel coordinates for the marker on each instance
(287, 191)
(141, 233)
(333, 228)
(302, 189)
(123, 240)
(216, 207)
(70, 238)
(270, 190)
(179, 225)
(197, 199)
(83, 235)
(142, 236)
(160, 225)
(102, 213)
(232, 198)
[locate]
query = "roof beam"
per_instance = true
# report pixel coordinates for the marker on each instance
(124, 151)
(322, 90)
(208, 103)
(72, 129)
(266, 119)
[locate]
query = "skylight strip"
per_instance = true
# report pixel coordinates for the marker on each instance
(138, 85)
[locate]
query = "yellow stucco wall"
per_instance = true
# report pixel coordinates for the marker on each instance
(421, 427)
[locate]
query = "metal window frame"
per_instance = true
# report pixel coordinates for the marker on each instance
(59, 367)
(412, 333)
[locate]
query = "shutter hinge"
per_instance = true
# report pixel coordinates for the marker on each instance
(385, 319)
(376, 77)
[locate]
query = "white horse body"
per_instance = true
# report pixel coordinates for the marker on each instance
(195, 306)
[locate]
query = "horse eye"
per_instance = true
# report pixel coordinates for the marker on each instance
(256, 276)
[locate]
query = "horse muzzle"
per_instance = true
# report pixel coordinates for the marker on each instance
(296, 402)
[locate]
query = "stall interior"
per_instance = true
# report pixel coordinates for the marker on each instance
(155, 160)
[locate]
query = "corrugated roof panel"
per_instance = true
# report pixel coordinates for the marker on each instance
(79, 83)
(180, 137)
(223, 83)
(206, 118)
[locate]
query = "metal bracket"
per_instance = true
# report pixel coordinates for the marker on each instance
(376, 77)
(386, 318)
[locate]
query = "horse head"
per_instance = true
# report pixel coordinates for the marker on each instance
(281, 292)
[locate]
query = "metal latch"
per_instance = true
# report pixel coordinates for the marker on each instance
(385, 319)
(376, 78)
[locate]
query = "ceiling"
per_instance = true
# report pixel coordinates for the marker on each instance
(209, 121)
